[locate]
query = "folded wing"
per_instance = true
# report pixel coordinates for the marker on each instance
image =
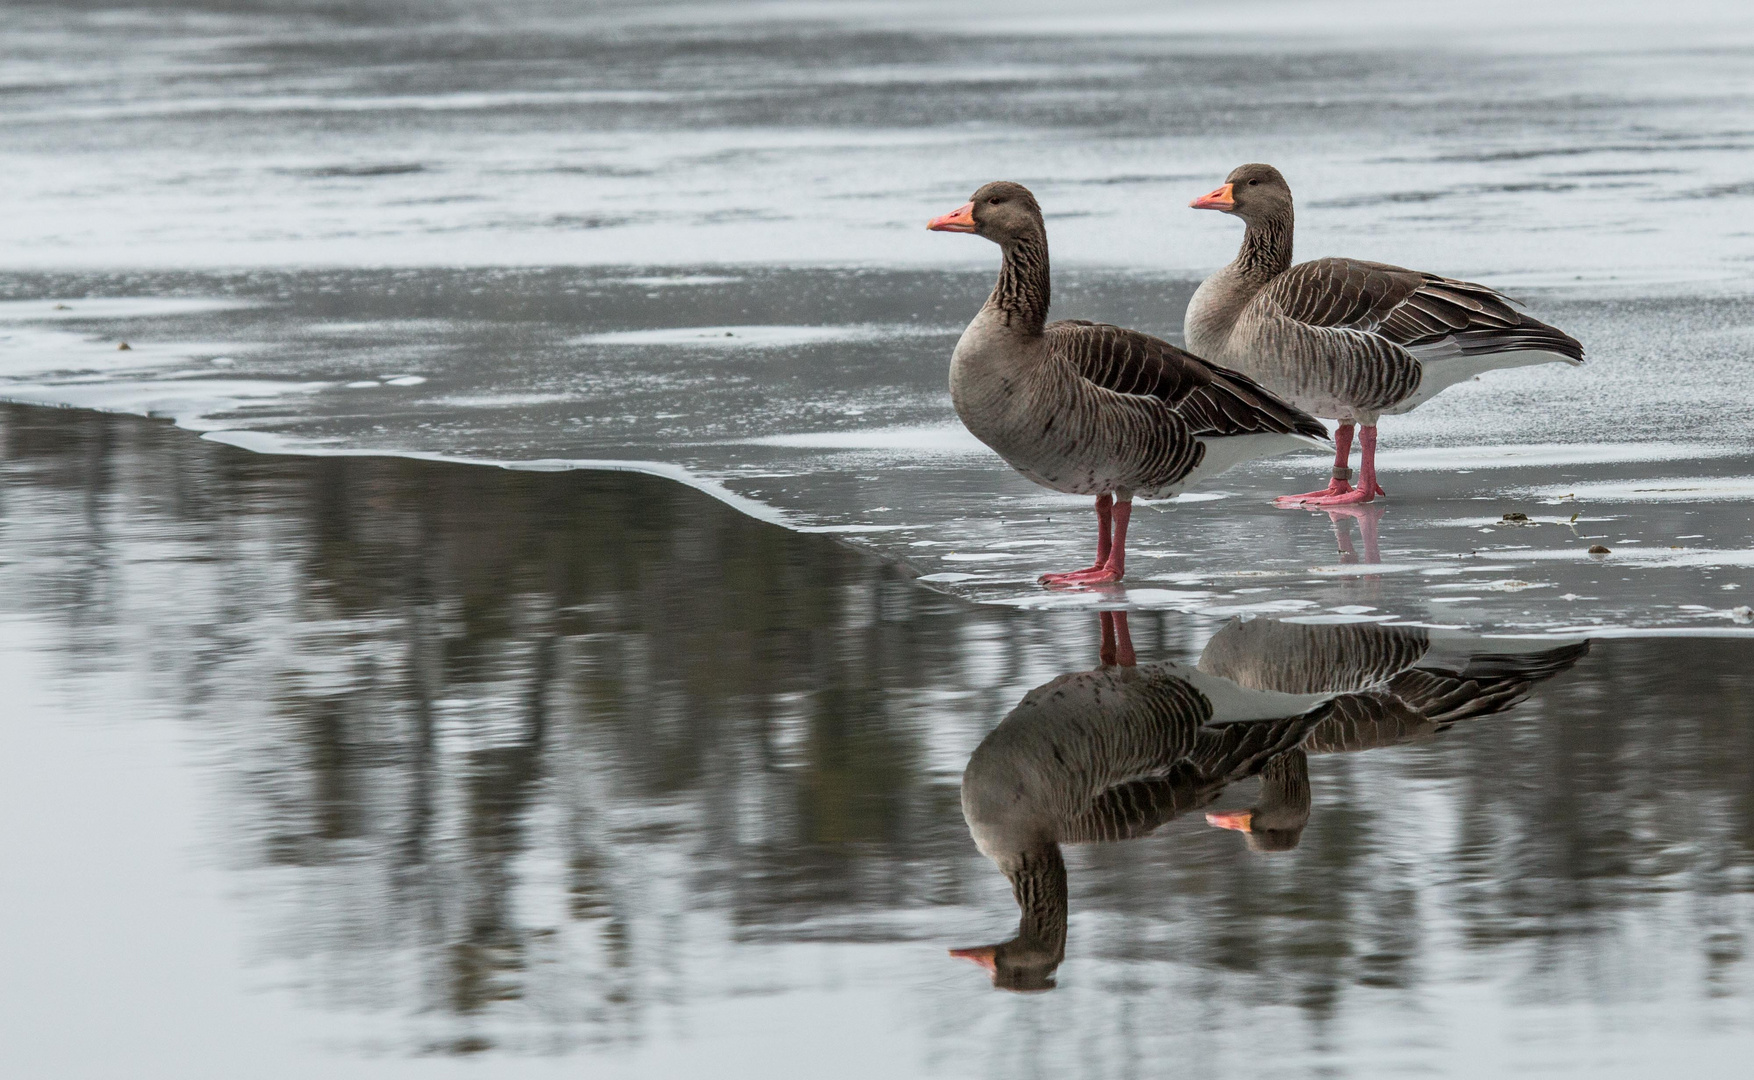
(1430, 315)
(1212, 400)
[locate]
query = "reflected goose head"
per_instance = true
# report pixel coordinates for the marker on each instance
(1001, 211)
(1276, 822)
(1251, 192)
(1020, 965)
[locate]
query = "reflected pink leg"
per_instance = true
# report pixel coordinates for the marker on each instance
(1366, 517)
(1340, 484)
(1117, 641)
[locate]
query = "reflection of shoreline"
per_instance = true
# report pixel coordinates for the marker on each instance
(473, 728)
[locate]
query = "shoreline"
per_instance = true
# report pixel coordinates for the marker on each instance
(759, 513)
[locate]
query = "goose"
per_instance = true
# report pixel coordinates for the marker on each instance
(1104, 755)
(1396, 684)
(1092, 409)
(1347, 339)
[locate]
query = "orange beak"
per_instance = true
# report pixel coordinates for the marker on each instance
(1240, 820)
(982, 955)
(1221, 199)
(960, 219)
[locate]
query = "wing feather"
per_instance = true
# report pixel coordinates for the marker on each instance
(1213, 400)
(1412, 309)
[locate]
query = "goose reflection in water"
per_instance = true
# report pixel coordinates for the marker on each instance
(1395, 684)
(1109, 754)
(1115, 753)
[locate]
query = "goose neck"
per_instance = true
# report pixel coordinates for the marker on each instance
(1266, 248)
(1038, 883)
(1024, 286)
(1285, 785)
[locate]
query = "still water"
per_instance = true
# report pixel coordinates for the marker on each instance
(381, 767)
(687, 238)
(364, 765)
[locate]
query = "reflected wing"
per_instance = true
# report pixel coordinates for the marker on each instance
(1423, 701)
(1136, 808)
(1222, 755)
(1298, 658)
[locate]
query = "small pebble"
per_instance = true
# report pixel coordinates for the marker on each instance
(63, 307)
(1597, 549)
(1514, 518)
(123, 347)
(1743, 614)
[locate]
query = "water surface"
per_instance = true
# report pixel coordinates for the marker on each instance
(361, 765)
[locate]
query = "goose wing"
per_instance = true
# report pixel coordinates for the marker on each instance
(1138, 807)
(1297, 658)
(1422, 701)
(1213, 400)
(1222, 754)
(1433, 316)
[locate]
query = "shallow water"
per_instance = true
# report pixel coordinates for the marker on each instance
(817, 400)
(363, 765)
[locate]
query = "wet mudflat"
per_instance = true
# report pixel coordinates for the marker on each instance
(373, 765)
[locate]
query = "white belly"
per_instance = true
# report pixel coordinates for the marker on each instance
(1225, 452)
(1442, 372)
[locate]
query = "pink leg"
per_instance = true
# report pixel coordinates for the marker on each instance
(1341, 483)
(1111, 569)
(1367, 488)
(1367, 464)
(1104, 523)
(1117, 641)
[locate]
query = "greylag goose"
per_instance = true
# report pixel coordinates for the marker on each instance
(1396, 684)
(1347, 339)
(1092, 409)
(1103, 755)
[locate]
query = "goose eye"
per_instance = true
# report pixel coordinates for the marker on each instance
(995, 200)
(1252, 183)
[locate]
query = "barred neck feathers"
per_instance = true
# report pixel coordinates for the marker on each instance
(1266, 248)
(1024, 286)
(1038, 883)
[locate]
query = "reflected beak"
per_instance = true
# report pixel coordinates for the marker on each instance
(1221, 199)
(1240, 820)
(984, 955)
(960, 219)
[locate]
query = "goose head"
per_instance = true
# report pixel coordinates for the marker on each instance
(1252, 192)
(1001, 211)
